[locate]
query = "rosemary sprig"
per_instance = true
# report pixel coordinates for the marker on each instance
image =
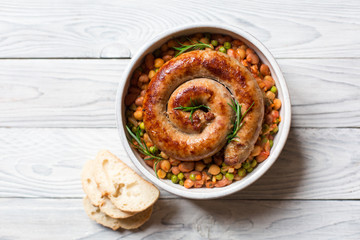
(195, 46)
(238, 120)
(143, 148)
(194, 106)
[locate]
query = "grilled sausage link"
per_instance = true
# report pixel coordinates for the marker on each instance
(208, 78)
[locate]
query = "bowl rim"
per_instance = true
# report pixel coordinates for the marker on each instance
(250, 178)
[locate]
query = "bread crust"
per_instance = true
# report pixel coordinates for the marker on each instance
(179, 143)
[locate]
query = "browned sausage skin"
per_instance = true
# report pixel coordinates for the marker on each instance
(204, 76)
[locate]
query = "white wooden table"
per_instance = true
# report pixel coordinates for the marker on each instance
(61, 62)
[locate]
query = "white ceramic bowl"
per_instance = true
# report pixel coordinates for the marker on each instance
(285, 112)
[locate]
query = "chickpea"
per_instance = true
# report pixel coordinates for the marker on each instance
(241, 53)
(231, 53)
(142, 93)
(214, 169)
(252, 58)
(205, 40)
(268, 81)
(144, 86)
(138, 115)
(161, 173)
(277, 104)
(167, 58)
(159, 62)
(150, 163)
(199, 166)
(254, 69)
(144, 78)
(139, 101)
(164, 156)
(175, 170)
(270, 95)
(151, 74)
(188, 183)
(149, 61)
(237, 165)
(264, 69)
(249, 51)
(243, 47)
(186, 166)
(174, 162)
(256, 151)
(236, 43)
(165, 165)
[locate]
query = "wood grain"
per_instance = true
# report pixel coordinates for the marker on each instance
(81, 93)
(180, 219)
(116, 29)
(315, 164)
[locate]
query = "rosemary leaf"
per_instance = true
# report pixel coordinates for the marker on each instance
(238, 123)
(195, 46)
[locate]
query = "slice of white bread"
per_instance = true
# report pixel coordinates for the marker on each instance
(125, 188)
(89, 185)
(109, 209)
(115, 223)
(92, 191)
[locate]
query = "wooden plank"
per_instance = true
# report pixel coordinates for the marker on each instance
(81, 93)
(315, 164)
(180, 219)
(103, 29)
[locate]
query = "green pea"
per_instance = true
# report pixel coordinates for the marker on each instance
(142, 125)
(273, 89)
(227, 45)
(265, 128)
(222, 49)
(156, 69)
(181, 183)
(219, 176)
(229, 176)
(223, 171)
(275, 130)
(253, 163)
(249, 170)
(264, 139)
(141, 133)
(153, 149)
(241, 172)
(246, 165)
(180, 176)
(134, 129)
(223, 164)
(271, 143)
(214, 43)
(192, 177)
(174, 179)
(168, 175)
